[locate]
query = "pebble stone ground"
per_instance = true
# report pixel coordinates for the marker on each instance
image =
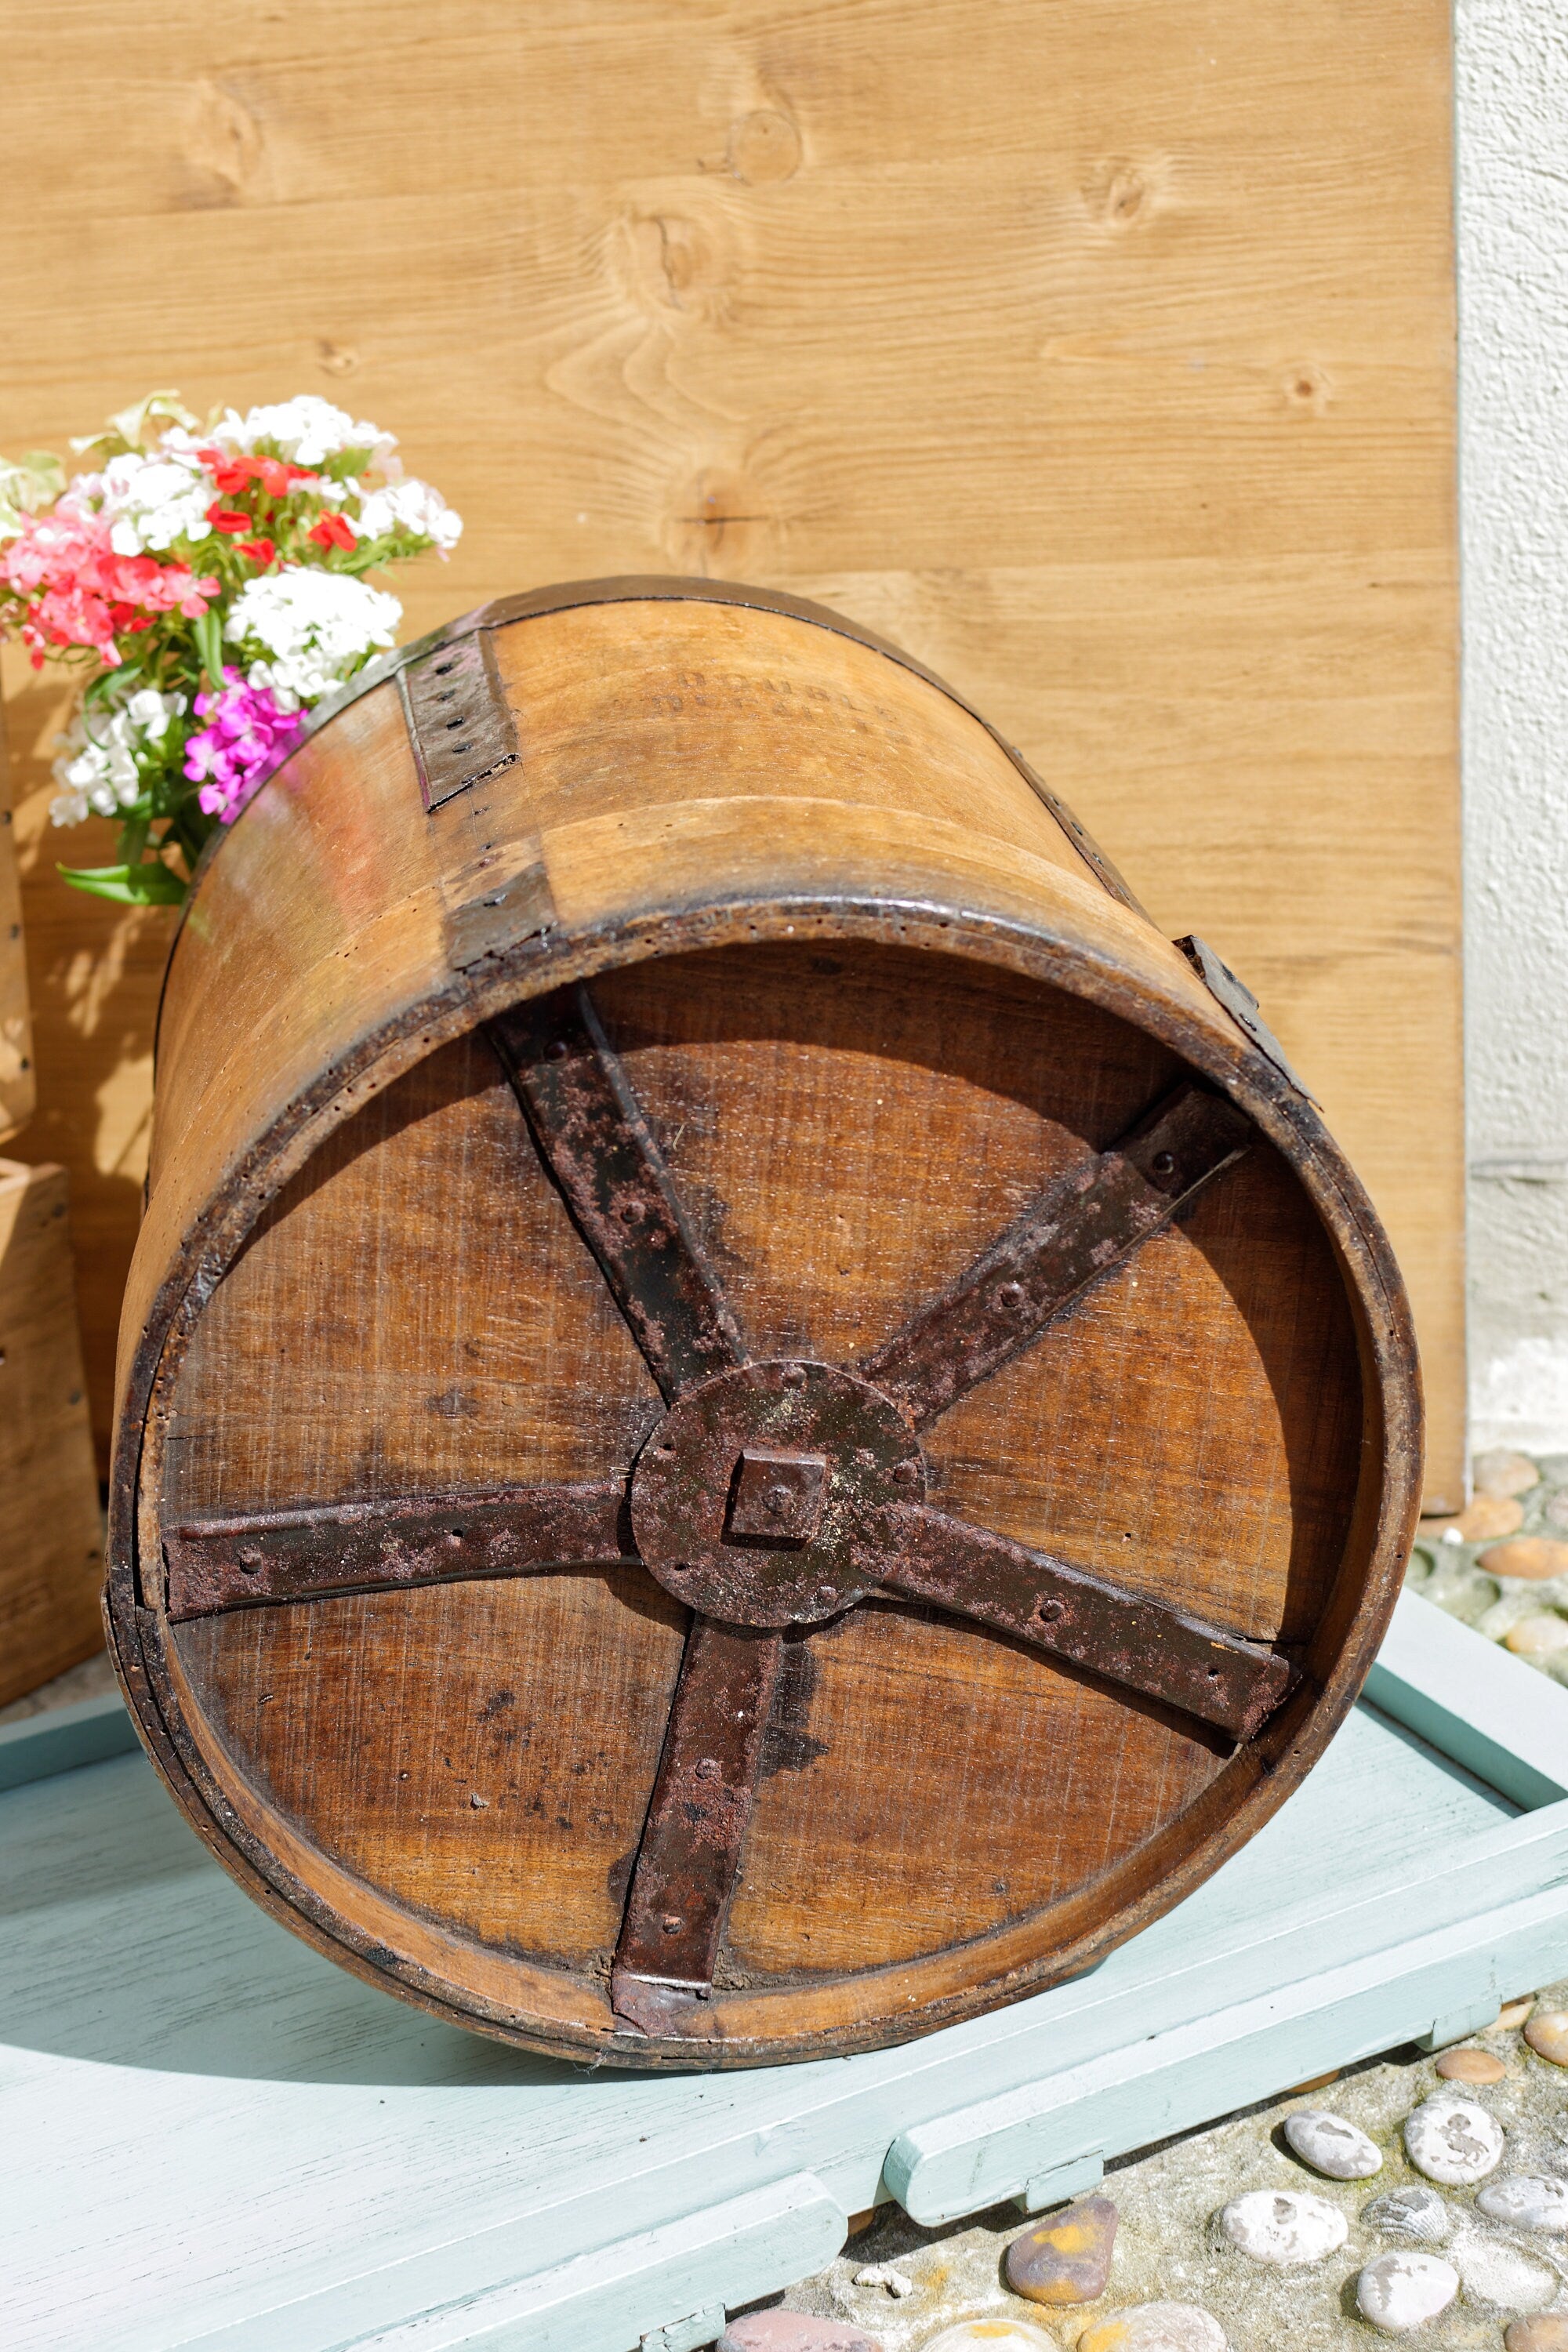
(946, 2287)
(1502, 1566)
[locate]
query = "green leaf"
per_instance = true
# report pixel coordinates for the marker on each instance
(129, 428)
(27, 485)
(149, 884)
(208, 633)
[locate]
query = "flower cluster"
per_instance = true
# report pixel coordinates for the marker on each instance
(252, 532)
(248, 729)
(76, 588)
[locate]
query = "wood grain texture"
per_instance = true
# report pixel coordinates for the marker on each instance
(858, 1003)
(51, 1527)
(464, 1778)
(1102, 354)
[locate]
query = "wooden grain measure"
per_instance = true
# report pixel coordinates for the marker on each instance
(750, 1420)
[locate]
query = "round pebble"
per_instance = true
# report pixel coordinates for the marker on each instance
(1154, 2327)
(1547, 2034)
(1547, 2332)
(1539, 1636)
(1507, 2277)
(1527, 2200)
(1066, 2259)
(1453, 2140)
(1286, 2226)
(1471, 2066)
(1399, 2291)
(1002, 2334)
(1531, 1559)
(1487, 1516)
(884, 2275)
(1418, 2214)
(794, 2331)
(1514, 2012)
(1339, 2150)
(1501, 1472)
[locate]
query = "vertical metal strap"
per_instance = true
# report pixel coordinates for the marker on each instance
(459, 723)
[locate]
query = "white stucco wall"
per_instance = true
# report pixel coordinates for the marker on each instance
(1512, 120)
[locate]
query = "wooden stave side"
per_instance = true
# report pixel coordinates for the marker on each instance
(247, 907)
(1395, 1499)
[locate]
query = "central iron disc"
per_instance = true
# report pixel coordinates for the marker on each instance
(756, 1500)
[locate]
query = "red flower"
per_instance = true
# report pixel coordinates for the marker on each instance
(226, 519)
(332, 530)
(278, 475)
(259, 551)
(233, 474)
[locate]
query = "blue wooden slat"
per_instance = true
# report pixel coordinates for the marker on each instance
(37, 1747)
(215, 2137)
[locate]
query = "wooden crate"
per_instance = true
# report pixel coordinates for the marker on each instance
(17, 1090)
(51, 1532)
(352, 2175)
(1101, 353)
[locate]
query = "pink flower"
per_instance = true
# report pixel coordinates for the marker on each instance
(247, 734)
(78, 592)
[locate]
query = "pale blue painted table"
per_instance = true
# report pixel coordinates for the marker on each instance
(211, 2137)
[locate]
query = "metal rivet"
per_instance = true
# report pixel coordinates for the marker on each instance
(1049, 1611)
(443, 668)
(1164, 1163)
(709, 1769)
(775, 1502)
(906, 1475)
(556, 1050)
(249, 1559)
(824, 1593)
(1011, 1294)
(460, 720)
(670, 1924)
(795, 1377)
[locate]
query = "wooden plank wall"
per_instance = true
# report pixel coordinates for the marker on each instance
(1101, 351)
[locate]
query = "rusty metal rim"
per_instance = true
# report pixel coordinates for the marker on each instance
(1367, 1265)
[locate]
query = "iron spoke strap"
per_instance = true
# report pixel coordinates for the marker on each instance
(771, 1495)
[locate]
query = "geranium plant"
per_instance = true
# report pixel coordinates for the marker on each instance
(206, 583)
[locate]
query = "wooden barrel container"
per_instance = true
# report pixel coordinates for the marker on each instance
(753, 1418)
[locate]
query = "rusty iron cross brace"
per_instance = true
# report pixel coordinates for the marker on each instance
(770, 1495)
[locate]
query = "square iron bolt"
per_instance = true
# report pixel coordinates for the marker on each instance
(778, 1498)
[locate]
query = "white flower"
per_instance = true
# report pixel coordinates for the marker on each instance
(151, 501)
(261, 674)
(308, 429)
(409, 505)
(69, 808)
(98, 767)
(312, 628)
